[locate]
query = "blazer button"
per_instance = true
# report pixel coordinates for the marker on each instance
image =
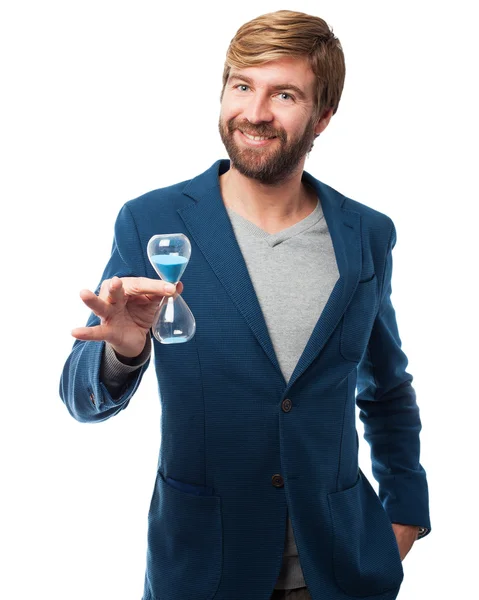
(286, 405)
(277, 481)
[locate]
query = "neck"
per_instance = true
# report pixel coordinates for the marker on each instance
(271, 207)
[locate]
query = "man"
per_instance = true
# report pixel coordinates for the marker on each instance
(258, 493)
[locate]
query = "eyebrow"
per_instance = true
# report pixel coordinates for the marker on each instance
(284, 86)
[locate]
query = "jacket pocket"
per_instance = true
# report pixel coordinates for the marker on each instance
(366, 559)
(185, 542)
(358, 320)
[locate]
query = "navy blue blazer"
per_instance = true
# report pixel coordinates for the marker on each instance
(235, 457)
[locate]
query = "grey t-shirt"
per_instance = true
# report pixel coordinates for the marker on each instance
(293, 273)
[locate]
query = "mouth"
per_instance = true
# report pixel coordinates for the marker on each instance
(257, 140)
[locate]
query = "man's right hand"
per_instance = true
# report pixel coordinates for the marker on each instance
(127, 307)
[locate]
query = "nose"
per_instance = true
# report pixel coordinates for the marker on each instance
(258, 109)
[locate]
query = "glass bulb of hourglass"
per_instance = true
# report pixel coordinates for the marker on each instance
(169, 255)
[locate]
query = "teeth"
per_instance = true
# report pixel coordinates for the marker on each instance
(255, 137)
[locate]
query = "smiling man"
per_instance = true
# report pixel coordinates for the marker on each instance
(258, 493)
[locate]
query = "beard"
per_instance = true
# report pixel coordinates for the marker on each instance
(265, 164)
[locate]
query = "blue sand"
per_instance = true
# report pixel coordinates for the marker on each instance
(170, 266)
(175, 340)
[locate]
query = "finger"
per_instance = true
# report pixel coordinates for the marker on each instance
(114, 290)
(96, 304)
(137, 286)
(96, 333)
(158, 299)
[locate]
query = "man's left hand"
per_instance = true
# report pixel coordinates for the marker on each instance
(406, 535)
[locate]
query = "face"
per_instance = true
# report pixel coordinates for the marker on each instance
(267, 119)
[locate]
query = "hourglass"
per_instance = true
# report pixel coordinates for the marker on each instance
(169, 254)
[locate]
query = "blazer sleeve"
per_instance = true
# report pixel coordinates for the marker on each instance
(390, 414)
(81, 389)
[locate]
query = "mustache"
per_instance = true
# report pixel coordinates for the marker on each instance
(261, 130)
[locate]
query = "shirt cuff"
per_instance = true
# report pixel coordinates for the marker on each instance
(422, 532)
(115, 372)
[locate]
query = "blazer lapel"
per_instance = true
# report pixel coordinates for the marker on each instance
(209, 225)
(345, 230)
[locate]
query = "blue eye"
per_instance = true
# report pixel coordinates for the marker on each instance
(241, 86)
(289, 97)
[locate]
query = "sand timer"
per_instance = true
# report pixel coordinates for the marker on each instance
(169, 254)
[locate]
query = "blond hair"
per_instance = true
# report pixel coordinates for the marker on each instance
(288, 33)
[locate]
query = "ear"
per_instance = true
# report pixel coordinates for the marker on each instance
(323, 121)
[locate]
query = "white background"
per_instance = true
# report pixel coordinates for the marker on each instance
(103, 101)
